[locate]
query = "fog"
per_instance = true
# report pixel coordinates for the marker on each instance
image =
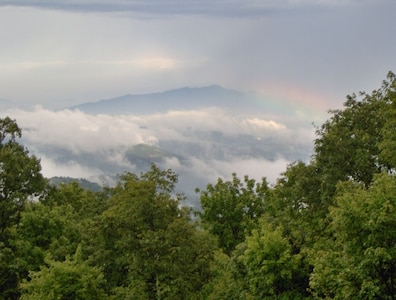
(200, 145)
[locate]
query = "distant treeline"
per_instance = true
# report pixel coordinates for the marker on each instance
(82, 182)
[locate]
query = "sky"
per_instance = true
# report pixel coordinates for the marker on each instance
(61, 53)
(308, 54)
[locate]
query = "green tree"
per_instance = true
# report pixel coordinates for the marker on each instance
(20, 180)
(43, 231)
(9, 270)
(357, 141)
(72, 278)
(271, 266)
(52, 229)
(20, 177)
(262, 267)
(296, 204)
(228, 276)
(231, 209)
(388, 144)
(358, 261)
(150, 249)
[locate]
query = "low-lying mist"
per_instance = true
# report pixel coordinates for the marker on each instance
(200, 145)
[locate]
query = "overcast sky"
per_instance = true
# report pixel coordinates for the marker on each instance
(313, 52)
(302, 56)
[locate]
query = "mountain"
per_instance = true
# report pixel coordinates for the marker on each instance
(143, 155)
(186, 98)
(84, 183)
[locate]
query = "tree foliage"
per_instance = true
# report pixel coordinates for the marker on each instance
(359, 262)
(72, 278)
(388, 144)
(20, 180)
(164, 255)
(271, 265)
(356, 142)
(230, 209)
(20, 176)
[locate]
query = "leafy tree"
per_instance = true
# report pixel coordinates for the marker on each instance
(84, 202)
(228, 276)
(356, 142)
(150, 249)
(69, 279)
(388, 144)
(20, 180)
(20, 176)
(44, 231)
(271, 265)
(9, 278)
(296, 205)
(263, 267)
(358, 261)
(230, 209)
(296, 209)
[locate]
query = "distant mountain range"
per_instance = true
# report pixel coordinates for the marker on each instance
(186, 98)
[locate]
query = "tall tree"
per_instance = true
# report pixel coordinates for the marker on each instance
(231, 209)
(356, 142)
(72, 278)
(262, 267)
(20, 179)
(272, 268)
(296, 204)
(20, 176)
(358, 260)
(388, 144)
(150, 247)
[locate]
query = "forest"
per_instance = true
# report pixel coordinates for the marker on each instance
(325, 230)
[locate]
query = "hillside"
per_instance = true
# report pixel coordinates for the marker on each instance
(186, 98)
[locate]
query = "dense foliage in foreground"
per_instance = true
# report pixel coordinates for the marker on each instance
(325, 230)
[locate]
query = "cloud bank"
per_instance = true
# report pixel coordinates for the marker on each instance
(200, 145)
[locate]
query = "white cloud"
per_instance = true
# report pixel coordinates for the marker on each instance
(266, 124)
(254, 168)
(71, 169)
(79, 132)
(210, 142)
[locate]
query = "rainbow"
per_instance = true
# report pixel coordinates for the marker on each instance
(281, 99)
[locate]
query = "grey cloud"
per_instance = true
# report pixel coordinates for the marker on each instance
(148, 8)
(73, 58)
(230, 8)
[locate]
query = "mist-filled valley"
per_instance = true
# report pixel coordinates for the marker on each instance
(200, 133)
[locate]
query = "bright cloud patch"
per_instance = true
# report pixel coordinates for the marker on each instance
(265, 124)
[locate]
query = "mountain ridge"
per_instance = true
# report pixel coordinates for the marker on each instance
(185, 98)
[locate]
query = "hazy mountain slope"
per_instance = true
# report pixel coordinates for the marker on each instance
(179, 99)
(84, 183)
